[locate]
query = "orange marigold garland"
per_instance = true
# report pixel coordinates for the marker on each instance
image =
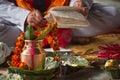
(52, 38)
(17, 50)
(55, 39)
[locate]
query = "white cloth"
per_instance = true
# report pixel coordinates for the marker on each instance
(4, 52)
(12, 20)
(101, 19)
(65, 18)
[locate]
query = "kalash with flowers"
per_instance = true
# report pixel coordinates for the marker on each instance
(29, 58)
(29, 46)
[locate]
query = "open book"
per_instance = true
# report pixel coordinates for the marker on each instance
(67, 17)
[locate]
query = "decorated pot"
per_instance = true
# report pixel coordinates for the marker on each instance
(33, 54)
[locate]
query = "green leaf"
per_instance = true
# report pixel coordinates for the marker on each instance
(29, 34)
(40, 37)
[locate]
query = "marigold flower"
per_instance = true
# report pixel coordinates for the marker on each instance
(23, 65)
(19, 44)
(17, 49)
(15, 64)
(16, 57)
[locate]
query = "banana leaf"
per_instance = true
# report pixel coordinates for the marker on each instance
(40, 74)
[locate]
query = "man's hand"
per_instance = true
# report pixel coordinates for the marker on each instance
(35, 19)
(80, 4)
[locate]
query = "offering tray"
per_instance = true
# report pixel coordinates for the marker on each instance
(68, 62)
(49, 71)
(67, 72)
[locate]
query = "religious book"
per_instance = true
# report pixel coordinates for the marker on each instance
(67, 17)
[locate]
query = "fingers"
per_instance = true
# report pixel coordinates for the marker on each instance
(35, 19)
(78, 3)
(85, 10)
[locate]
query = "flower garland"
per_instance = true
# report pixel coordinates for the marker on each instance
(17, 50)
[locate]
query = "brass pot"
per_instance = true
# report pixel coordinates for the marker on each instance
(33, 54)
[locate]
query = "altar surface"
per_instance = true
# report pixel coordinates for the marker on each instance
(88, 51)
(85, 74)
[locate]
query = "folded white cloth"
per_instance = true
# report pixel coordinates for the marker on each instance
(4, 52)
(67, 17)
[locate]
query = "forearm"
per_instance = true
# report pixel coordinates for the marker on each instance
(12, 13)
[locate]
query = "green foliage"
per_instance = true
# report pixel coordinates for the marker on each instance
(29, 34)
(40, 37)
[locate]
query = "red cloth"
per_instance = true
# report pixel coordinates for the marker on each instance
(64, 34)
(30, 2)
(64, 37)
(48, 3)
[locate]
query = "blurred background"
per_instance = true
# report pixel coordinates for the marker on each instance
(109, 2)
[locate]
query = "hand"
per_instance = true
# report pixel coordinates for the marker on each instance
(82, 6)
(78, 3)
(35, 19)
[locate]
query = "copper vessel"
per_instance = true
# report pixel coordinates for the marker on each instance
(33, 54)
